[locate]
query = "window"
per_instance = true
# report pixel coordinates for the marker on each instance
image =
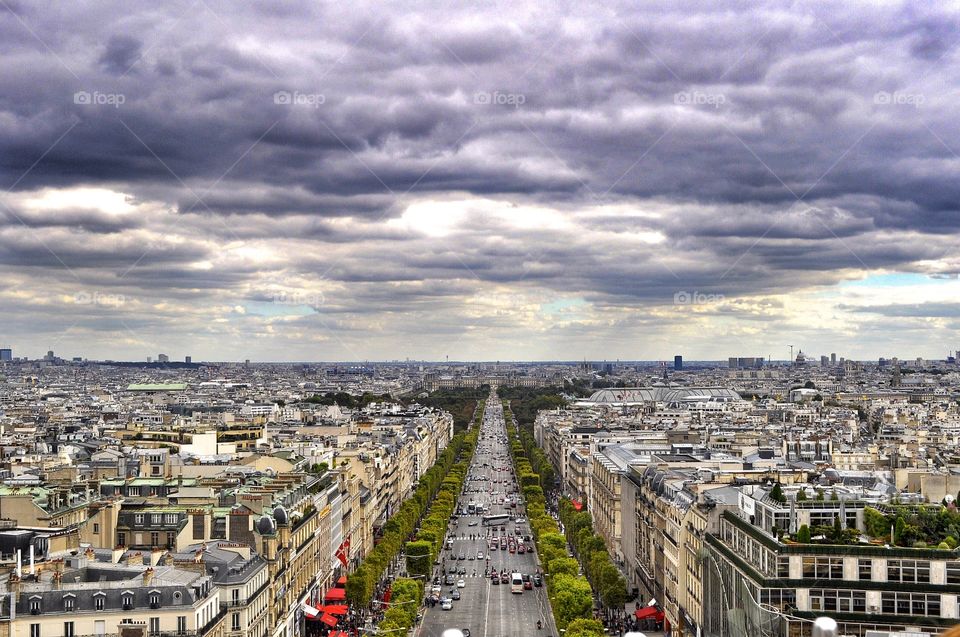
(781, 598)
(154, 600)
(953, 572)
(823, 567)
(154, 625)
(908, 571)
(98, 601)
(34, 606)
(171, 539)
(235, 621)
(865, 570)
(783, 567)
(910, 604)
(127, 600)
(138, 518)
(121, 539)
(96, 527)
(182, 624)
(154, 538)
(68, 629)
(829, 600)
(170, 518)
(34, 630)
(156, 518)
(69, 603)
(133, 490)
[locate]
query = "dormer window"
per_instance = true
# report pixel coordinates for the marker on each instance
(99, 600)
(35, 606)
(127, 600)
(69, 603)
(154, 599)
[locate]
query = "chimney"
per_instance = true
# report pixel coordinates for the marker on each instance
(89, 554)
(148, 576)
(135, 559)
(15, 585)
(57, 580)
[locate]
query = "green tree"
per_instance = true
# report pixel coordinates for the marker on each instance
(585, 628)
(802, 495)
(420, 555)
(803, 534)
(776, 494)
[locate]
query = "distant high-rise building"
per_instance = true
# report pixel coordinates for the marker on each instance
(833, 358)
(149, 359)
(163, 358)
(49, 356)
(678, 363)
(188, 359)
(824, 361)
(751, 362)
(6, 355)
(247, 362)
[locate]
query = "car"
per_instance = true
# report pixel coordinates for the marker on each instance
(527, 582)
(435, 588)
(452, 569)
(449, 580)
(537, 580)
(504, 579)
(495, 579)
(461, 571)
(463, 556)
(446, 604)
(471, 558)
(479, 555)
(521, 549)
(461, 583)
(466, 632)
(455, 594)
(520, 520)
(474, 523)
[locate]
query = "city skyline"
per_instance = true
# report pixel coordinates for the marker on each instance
(511, 181)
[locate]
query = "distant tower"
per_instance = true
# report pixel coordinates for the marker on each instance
(188, 359)
(677, 363)
(833, 358)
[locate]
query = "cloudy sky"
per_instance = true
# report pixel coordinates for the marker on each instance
(303, 180)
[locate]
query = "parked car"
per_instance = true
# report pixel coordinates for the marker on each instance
(537, 580)
(446, 604)
(461, 583)
(455, 594)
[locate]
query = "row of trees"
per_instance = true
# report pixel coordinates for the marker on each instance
(424, 549)
(569, 592)
(592, 552)
(400, 527)
(527, 401)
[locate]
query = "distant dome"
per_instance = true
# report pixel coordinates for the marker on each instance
(266, 525)
(280, 515)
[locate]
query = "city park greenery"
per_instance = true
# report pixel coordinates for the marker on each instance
(571, 594)
(439, 484)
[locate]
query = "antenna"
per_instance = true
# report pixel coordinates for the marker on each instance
(791, 354)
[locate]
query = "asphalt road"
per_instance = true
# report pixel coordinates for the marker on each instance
(488, 610)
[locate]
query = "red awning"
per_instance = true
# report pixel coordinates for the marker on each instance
(649, 612)
(310, 611)
(328, 619)
(342, 582)
(336, 609)
(336, 594)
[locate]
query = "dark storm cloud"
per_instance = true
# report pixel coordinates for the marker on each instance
(768, 147)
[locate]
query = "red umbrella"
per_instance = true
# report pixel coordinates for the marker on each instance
(328, 619)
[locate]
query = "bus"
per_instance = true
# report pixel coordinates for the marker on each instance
(516, 583)
(498, 518)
